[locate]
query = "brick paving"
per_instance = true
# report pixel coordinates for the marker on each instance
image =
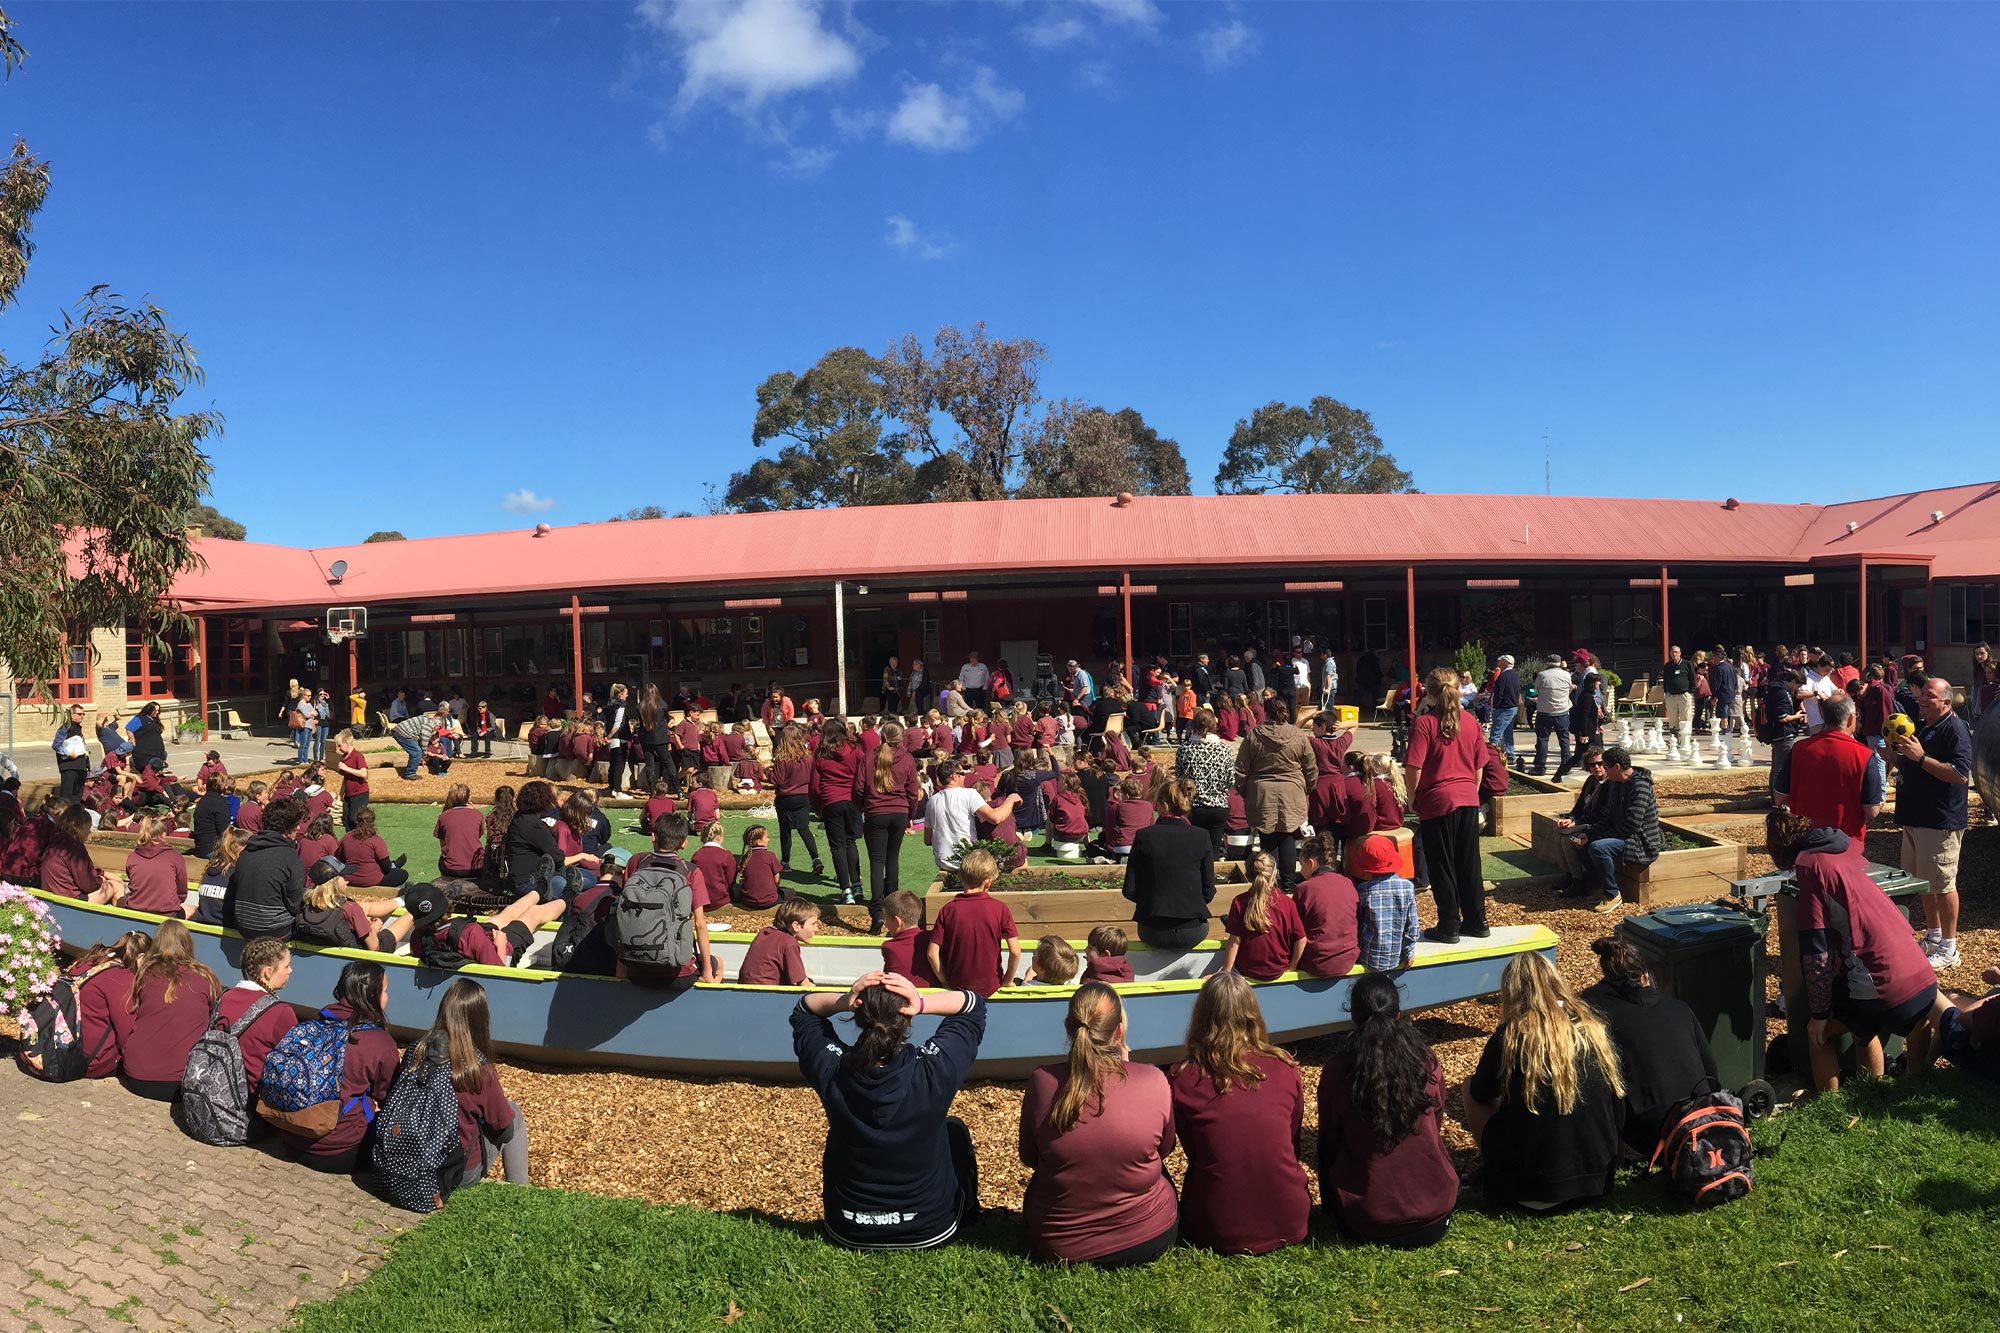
(111, 1217)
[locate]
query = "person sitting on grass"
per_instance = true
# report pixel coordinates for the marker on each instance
(1238, 1108)
(250, 810)
(756, 886)
(661, 802)
(318, 841)
(155, 872)
(1546, 1104)
(490, 1124)
(1968, 1029)
(906, 946)
(1329, 908)
(1104, 956)
(1096, 1132)
(1864, 973)
(717, 864)
(367, 857)
(330, 916)
(773, 958)
(965, 942)
(1126, 812)
(1662, 1050)
(704, 806)
(1384, 1172)
(1266, 936)
(1053, 963)
(166, 1010)
(897, 1172)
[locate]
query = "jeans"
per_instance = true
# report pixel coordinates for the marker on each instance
(414, 753)
(843, 832)
(1502, 731)
(319, 742)
(302, 743)
(795, 816)
(1781, 746)
(1544, 724)
(1601, 859)
(351, 808)
(885, 855)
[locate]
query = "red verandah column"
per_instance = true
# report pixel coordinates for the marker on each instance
(1410, 606)
(1125, 590)
(1666, 630)
(1861, 647)
(201, 670)
(576, 643)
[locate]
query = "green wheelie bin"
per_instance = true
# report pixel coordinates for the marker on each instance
(1711, 958)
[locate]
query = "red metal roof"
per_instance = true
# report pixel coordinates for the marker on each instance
(1316, 534)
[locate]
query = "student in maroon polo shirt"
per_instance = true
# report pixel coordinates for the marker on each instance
(1238, 1108)
(1384, 1174)
(267, 966)
(103, 982)
(1831, 778)
(965, 942)
(906, 947)
(756, 885)
(1266, 936)
(165, 1011)
(717, 865)
(1329, 907)
(461, 834)
(773, 958)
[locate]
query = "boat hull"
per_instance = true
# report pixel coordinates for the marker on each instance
(736, 1030)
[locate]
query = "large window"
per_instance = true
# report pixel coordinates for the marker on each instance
(1971, 613)
(153, 672)
(235, 656)
(1601, 619)
(72, 681)
(703, 645)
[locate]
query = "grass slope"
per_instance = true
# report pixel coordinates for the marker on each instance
(1875, 1214)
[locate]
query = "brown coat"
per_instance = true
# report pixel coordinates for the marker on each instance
(1275, 770)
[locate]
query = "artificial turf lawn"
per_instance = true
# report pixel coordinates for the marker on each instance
(1882, 1223)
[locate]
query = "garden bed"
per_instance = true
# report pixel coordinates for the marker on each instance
(1692, 866)
(1515, 809)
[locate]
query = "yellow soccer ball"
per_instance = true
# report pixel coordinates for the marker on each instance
(1897, 726)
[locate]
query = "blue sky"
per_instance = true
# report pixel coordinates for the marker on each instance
(438, 256)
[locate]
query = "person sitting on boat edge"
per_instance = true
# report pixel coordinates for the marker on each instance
(897, 1172)
(1266, 936)
(627, 923)
(330, 915)
(773, 958)
(1170, 876)
(906, 946)
(1329, 907)
(965, 942)
(1238, 1109)
(1104, 956)
(155, 871)
(1053, 963)
(1388, 932)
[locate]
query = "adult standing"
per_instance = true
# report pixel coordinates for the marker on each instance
(322, 724)
(1586, 713)
(149, 739)
(1831, 778)
(414, 733)
(1275, 771)
(1784, 718)
(1079, 691)
(1725, 689)
(974, 678)
(1553, 686)
(890, 689)
(1253, 671)
(617, 718)
(1933, 767)
(1170, 874)
(1203, 758)
(920, 689)
(1442, 769)
(1202, 677)
(1505, 700)
(1677, 686)
(72, 754)
(1329, 680)
(897, 1172)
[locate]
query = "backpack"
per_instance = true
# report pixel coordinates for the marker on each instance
(416, 1135)
(300, 1090)
(439, 949)
(1705, 1148)
(51, 1032)
(581, 945)
(1760, 722)
(653, 923)
(214, 1104)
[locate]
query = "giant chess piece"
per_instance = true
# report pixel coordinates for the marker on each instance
(1673, 748)
(1722, 751)
(1625, 732)
(1693, 753)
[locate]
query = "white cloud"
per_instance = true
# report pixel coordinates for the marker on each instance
(1137, 13)
(931, 118)
(805, 163)
(1230, 44)
(904, 238)
(525, 501)
(749, 51)
(1054, 29)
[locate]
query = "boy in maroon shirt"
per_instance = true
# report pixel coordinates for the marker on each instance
(906, 950)
(773, 958)
(1104, 956)
(1330, 906)
(965, 943)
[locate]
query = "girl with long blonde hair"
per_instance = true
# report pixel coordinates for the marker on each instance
(1096, 1131)
(1266, 935)
(1545, 1102)
(1238, 1105)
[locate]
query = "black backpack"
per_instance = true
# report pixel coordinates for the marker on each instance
(52, 1033)
(581, 943)
(653, 924)
(439, 950)
(1705, 1148)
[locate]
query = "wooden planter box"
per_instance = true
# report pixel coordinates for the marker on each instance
(1513, 816)
(1681, 875)
(1070, 913)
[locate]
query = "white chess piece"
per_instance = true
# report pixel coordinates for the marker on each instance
(1722, 751)
(1625, 732)
(1694, 751)
(1673, 748)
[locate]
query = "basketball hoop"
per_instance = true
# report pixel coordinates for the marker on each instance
(346, 622)
(339, 634)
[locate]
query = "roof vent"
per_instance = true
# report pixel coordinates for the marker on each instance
(1732, 503)
(1124, 500)
(1937, 515)
(542, 529)
(1852, 526)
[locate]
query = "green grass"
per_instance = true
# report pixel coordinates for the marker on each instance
(1884, 1223)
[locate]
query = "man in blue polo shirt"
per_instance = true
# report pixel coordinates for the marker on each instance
(1933, 767)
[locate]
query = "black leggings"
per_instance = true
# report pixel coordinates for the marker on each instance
(885, 854)
(1284, 849)
(1214, 819)
(1143, 1253)
(1172, 934)
(795, 815)
(394, 877)
(616, 762)
(843, 833)
(1451, 848)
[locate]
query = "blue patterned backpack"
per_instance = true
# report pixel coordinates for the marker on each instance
(300, 1090)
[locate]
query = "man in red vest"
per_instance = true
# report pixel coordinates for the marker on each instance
(1831, 777)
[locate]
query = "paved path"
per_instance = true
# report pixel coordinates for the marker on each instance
(111, 1217)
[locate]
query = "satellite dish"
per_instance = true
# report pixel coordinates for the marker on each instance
(337, 571)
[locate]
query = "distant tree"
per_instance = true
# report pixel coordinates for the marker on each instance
(985, 392)
(382, 537)
(97, 467)
(215, 524)
(1088, 451)
(641, 511)
(834, 448)
(1322, 448)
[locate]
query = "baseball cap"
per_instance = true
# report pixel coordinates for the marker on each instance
(1375, 856)
(427, 904)
(326, 868)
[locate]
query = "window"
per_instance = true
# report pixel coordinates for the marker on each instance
(1375, 624)
(1972, 613)
(1278, 624)
(236, 656)
(785, 642)
(72, 680)
(151, 673)
(454, 653)
(703, 645)
(753, 643)
(931, 651)
(416, 663)
(1180, 630)
(487, 655)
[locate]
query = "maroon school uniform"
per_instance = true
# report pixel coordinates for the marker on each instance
(1239, 814)
(1245, 1192)
(249, 815)
(717, 865)
(1330, 909)
(907, 953)
(773, 959)
(657, 806)
(1101, 1186)
(486, 1105)
(365, 858)
(1006, 831)
(98, 1002)
(1388, 810)
(968, 936)
(1382, 1189)
(986, 769)
(368, 1070)
(1021, 733)
(757, 880)
(155, 879)
(67, 869)
(319, 803)
(748, 770)
(1107, 968)
(1047, 729)
(1069, 815)
(1123, 820)
(461, 835)
(312, 849)
(349, 784)
(1449, 769)
(942, 739)
(734, 746)
(703, 806)
(1266, 955)
(154, 1042)
(257, 1039)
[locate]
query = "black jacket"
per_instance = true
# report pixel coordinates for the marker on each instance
(1203, 681)
(211, 820)
(1677, 677)
(76, 763)
(149, 743)
(1662, 1052)
(1507, 689)
(267, 889)
(1170, 875)
(529, 839)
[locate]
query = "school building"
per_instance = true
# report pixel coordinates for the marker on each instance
(1390, 582)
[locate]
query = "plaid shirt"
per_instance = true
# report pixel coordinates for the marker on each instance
(1388, 922)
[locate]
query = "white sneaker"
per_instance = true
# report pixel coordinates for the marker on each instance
(1945, 955)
